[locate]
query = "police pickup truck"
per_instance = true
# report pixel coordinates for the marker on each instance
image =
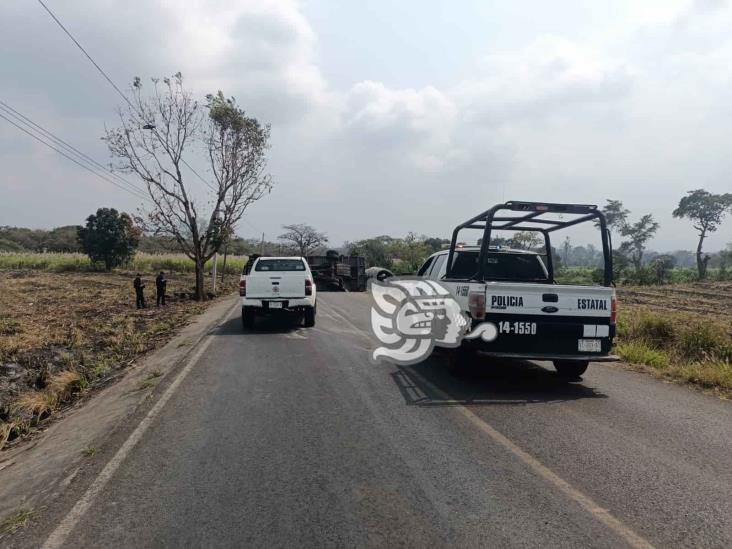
(535, 318)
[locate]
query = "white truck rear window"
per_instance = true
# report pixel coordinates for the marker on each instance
(279, 265)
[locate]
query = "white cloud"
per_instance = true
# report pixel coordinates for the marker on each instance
(642, 117)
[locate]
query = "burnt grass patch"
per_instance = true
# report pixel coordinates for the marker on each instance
(63, 334)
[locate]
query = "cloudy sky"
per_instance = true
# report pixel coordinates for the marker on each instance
(387, 116)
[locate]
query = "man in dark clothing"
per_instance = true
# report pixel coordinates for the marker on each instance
(139, 287)
(160, 285)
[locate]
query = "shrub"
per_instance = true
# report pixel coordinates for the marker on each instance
(658, 331)
(639, 352)
(715, 373)
(698, 341)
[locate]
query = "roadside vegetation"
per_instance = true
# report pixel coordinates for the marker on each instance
(64, 331)
(141, 262)
(681, 333)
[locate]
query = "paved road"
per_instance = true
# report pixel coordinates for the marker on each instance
(291, 437)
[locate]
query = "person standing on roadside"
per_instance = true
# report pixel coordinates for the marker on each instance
(160, 285)
(139, 293)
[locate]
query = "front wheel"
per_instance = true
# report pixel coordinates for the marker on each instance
(309, 317)
(571, 368)
(247, 318)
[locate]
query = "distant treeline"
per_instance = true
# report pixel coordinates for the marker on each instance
(64, 240)
(590, 256)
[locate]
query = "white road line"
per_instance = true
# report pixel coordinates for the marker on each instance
(584, 501)
(64, 528)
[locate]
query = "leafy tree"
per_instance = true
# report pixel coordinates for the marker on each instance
(616, 215)
(526, 240)
(7, 245)
(110, 237)
(63, 239)
(154, 133)
(436, 244)
(374, 250)
(410, 251)
(303, 237)
(638, 235)
(705, 210)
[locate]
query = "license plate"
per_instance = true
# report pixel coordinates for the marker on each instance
(589, 345)
(275, 304)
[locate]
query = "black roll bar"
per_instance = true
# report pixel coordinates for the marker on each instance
(487, 221)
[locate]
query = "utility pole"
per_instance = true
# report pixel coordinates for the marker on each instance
(213, 270)
(215, 260)
(261, 248)
(223, 268)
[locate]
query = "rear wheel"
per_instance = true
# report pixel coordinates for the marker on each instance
(247, 318)
(309, 317)
(571, 368)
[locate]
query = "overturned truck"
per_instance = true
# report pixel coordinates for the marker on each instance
(336, 272)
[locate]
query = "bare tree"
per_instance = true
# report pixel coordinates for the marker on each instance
(303, 237)
(155, 131)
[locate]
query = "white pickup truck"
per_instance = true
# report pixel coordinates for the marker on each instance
(277, 284)
(536, 318)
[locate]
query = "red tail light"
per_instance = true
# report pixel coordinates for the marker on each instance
(613, 310)
(243, 287)
(308, 287)
(476, 304)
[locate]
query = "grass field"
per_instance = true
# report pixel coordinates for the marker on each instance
(679, 332)
(142, 262)
(63, 333)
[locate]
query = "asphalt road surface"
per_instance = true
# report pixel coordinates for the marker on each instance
(289, 436)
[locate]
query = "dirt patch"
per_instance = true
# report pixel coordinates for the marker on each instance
(703, 298)
(62, 334)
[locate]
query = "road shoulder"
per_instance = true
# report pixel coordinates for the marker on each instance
(34, 475)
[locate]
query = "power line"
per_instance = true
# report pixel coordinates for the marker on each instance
(81, 159)
(111, 82)
(62, 153)
(89, 57)
(68, 147)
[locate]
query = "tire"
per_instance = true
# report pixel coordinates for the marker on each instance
(309, 317)
(247, 318)
(571, 368)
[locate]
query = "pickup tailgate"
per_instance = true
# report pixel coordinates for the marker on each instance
(548, 300)
(276, 285)
(544, 319)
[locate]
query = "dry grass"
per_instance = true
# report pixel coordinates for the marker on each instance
(34, 404)
(63, 384)
(70, 331)
(681, 333)
(5, 430)
(16, 521)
